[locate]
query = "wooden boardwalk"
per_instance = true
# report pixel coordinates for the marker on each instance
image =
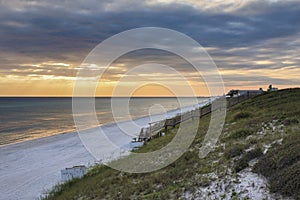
(156, 128)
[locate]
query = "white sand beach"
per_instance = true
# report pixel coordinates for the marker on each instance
(30, 169)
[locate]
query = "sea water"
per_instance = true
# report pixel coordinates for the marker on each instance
(24, 119)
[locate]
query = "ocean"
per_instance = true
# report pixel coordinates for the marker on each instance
(29, 118)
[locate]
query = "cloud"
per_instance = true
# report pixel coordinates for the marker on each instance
(71, 25)
(244, 34)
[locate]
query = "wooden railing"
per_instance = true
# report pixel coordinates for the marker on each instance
(156, 128)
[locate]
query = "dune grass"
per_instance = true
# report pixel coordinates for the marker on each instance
(281, 165)
(243, 122)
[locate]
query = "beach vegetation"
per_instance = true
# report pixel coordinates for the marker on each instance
(264, 129)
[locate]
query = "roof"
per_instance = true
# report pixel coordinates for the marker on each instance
(77, 166)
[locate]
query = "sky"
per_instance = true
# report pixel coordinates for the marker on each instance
(253, 43)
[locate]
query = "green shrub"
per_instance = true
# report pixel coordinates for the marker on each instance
(291, 121)
(281, 166)
(255, 153)
(240, 134)
(240, 165)
(290, 176)
(243, 162)
(234, 151)
(241, 115)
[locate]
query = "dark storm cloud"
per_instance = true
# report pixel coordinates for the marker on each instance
(64, 28)
(67, 30)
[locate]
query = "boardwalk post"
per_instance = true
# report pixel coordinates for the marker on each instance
(150, 132)
(166, 128)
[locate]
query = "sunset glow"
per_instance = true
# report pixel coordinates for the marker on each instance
(41, 58)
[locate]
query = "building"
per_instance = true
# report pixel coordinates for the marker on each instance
(237, 93)
(68, 174)
(272, 89)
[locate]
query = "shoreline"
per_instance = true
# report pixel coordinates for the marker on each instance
(107, 124)
(29, 169)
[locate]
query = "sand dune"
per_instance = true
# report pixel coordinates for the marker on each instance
(29, 169)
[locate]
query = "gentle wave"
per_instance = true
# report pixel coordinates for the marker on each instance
(23, 119)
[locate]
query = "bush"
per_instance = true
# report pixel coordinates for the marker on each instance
(281, 166)
(290, 176)
(255, 153)
(241, 115)
(291, 121)
(240, 134)
(243, 162)
(234, 151)
(240, 165)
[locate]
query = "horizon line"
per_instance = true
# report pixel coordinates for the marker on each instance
(103, 96)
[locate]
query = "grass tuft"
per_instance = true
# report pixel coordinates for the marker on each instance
(243, 133)
(241, 115)
(281, 165)
(243, 162)
(234, 151)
